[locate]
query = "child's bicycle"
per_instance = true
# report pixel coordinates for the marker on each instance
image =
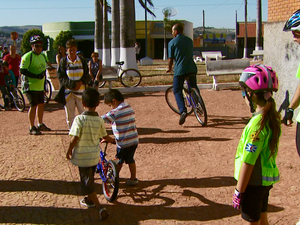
(109, 174)
(193, 102)
(128, 78)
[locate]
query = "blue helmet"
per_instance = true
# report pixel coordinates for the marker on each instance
(79, 53)
(293, 23)
(35, 39)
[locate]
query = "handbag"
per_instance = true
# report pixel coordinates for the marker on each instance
(60, 97)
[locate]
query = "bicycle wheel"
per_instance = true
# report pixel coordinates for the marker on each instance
(171, 101)
(102, 83)
(130, 78)
(111, 186)
(48, 91)
(18, 99)
(199, 107)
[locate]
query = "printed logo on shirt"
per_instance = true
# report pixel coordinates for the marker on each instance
(254, 137)
(251, 148)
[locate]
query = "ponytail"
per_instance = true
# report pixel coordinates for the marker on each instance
(272, 119)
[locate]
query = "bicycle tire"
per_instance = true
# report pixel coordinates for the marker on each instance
(131, 78)
(101, 84)
(111, 186)
(199, 109)
(171, 101)
(48, 91)
(18, 99)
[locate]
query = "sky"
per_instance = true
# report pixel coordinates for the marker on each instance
(218, 13)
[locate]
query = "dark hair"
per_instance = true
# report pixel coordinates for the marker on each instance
(71, 43)
(272, 119)
(5, 63)
(179, 28)
(113, 94)
(90, 97)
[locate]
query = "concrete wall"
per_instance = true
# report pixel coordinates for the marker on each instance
(283, 55)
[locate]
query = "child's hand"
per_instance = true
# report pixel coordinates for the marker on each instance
(237, 199)
(69, 154)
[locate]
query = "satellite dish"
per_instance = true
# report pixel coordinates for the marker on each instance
(169, 11)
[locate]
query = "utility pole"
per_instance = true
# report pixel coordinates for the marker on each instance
(245, 39)
(236, 34)
(203, 28)
(258, 43)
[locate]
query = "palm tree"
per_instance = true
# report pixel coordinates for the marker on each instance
(258, 44)
(98, 28)
(127, 33)
(115, 32)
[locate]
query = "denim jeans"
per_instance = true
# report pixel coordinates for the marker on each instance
(178, 82)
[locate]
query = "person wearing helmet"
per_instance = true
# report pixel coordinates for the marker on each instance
(33, 68)
(293, 24)
(255, 159)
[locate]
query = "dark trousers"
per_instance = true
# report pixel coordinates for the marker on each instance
(178, 82)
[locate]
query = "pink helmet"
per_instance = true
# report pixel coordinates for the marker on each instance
(259, 77)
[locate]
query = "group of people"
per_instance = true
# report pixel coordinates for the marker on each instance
(255, 160)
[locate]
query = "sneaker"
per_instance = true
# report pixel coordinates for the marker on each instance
(43, 127)
(130, 182)
(87, 203)
(34, 131)
(182, 118)
(103, 214)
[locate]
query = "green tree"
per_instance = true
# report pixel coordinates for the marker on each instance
(26, 47)
(61, 39)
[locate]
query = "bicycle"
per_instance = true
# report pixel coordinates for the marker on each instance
(17, 97)
(128, 77)
(108, 172)
(48, 91)
(193, 102)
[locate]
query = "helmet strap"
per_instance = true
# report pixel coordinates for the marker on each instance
(249, 97)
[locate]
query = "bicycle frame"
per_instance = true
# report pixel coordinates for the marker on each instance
(101, 165)
(188, 96)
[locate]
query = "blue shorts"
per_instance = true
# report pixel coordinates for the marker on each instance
(87, 179)
(255, 201)
(126, 154)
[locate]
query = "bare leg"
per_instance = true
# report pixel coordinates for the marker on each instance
(93, 197)
(40, 111)
(264, 219)
(132, 168)
(31, 115)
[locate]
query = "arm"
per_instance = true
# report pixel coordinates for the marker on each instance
(99, 70)
(245, 174)
(72, 144)
(90, 69)
(26, 73)
(293, 105)
(170, 64)
(86, 75)
(108, 139)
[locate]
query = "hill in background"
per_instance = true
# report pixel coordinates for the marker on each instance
(6, 30)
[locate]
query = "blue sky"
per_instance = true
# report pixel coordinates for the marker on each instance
(218, 13)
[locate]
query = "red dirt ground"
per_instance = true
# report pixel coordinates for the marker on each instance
(185, 172)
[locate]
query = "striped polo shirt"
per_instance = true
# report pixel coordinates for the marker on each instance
(122, 120)
(75, 72)
(89, 127)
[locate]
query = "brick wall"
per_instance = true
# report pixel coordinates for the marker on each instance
(281, 10)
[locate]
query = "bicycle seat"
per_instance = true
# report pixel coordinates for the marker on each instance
(120, 63)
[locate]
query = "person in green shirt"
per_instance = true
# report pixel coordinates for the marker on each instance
(293, 24)
(255, 160)
(33, 68)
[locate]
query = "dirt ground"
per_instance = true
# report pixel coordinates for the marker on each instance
(185, 172)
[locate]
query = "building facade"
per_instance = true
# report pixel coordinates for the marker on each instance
(83, 32)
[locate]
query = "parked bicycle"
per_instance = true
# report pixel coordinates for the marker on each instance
(48, 91)
(193, 102)
(108, 172)
(128, 77)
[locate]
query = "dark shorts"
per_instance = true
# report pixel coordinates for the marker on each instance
(126, 154)
(255, 202)
(35, 97)
(87, 179)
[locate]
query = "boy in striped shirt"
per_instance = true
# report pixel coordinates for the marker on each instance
(122, 120)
